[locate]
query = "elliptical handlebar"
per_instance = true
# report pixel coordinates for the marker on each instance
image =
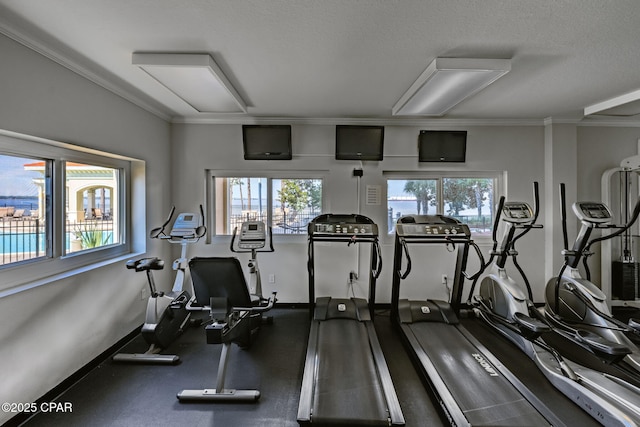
(536, 213)
(496, 222)
(563, 216)
(619, 231)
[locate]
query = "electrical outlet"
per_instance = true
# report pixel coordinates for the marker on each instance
(272, 278)
(444, 279)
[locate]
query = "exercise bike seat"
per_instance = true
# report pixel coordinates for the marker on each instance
(145, 264)
(220, 277)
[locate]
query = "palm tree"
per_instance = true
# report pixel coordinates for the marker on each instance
(425, 192)
(239, 183)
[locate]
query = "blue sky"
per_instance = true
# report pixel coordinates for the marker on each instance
(14, 180)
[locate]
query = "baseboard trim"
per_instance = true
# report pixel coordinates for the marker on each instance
(67, 383)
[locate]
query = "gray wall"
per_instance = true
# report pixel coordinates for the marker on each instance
(518, 150)
(49, 332)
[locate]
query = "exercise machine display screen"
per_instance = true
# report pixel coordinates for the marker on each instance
(333, 229)
(252, 235)
(517, 212)
(418, 230)
(185, 225)
(593, 212)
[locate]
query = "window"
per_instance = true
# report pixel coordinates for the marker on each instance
(469, 198)
(62, 207)
(91, 206)
(286, 204)
(25, 195)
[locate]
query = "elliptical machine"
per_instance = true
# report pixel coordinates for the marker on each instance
(500, 298)
(166, 315)
(503, 305)
(577, 308)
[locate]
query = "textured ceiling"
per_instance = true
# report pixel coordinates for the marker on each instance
(348, 58)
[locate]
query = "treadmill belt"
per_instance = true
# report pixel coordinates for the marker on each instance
(347, 390)
(483, 394)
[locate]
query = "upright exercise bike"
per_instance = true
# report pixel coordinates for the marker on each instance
(506, 307)
(167, 314)
(577, 308)
(253, 237)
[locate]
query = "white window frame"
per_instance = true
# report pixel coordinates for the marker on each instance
(210, 195)
(498, 191)
(35, 272)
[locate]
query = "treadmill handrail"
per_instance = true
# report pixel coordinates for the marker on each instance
(408, 257)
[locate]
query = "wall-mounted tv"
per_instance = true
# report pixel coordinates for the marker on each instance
(442, 146)
(359, 142)
(267, 142)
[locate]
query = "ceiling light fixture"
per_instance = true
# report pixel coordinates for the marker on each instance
(448, 81)
(626, 105)
(195, 78)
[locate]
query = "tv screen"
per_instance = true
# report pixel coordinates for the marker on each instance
(267, 142)
(442, 146)
(359, 142)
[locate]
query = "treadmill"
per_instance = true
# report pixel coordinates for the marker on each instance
(471, 386)
(346, 381)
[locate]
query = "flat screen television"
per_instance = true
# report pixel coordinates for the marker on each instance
(442, 146)
(359, 142)
(267, 142)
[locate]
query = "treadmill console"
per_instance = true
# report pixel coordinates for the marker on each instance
(344, 228)
(517, 212)
(253, 235)
(185, 225)
(592, 212)
(444, 230)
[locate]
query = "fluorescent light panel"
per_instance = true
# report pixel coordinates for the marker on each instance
(626, 105)
(194, 78)
(448, 81)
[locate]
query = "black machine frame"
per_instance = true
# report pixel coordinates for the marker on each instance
(343, 333)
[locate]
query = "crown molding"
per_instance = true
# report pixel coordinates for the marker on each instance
(64, 59)
(385, 121)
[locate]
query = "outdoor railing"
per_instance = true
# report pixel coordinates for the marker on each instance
(282, 223)
(479, 225)
(24, 238)
(20, 240)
